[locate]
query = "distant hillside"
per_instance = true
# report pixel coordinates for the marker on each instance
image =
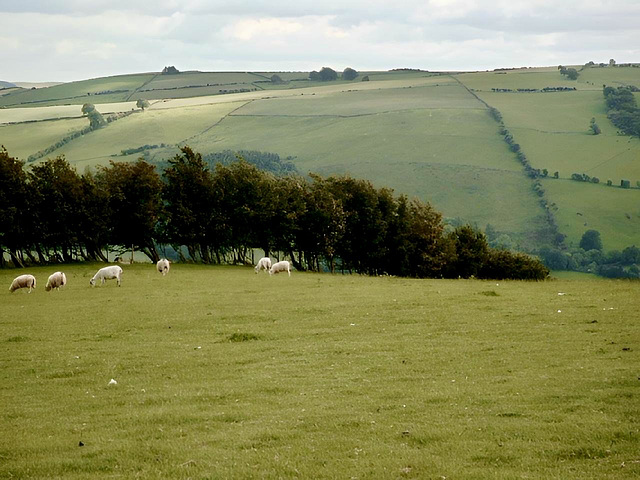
(7, 84)
(500, 150)
(37, 84)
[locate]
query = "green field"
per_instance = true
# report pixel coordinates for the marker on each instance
(421, 133)
(222, 373)
(553, 131)
(613, 211)
(92, 91)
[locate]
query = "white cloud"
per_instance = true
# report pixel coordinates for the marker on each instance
(251, 29)
(74, 39)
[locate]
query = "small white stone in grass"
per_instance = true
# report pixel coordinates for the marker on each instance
(113, 382)
(352, 324)
(561, 293)
(559, 311)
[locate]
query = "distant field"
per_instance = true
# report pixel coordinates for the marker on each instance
(553, 131)
(18, 115)
(421, 133)
(611, 76)
(151, 127)
(92, 91)
(479, 196)
(350, 376)
(364, 102)
(613, 211)
(521, 78)
(41, 135)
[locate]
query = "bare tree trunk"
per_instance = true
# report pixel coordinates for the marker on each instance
(17, 262)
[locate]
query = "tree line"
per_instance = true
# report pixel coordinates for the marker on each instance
(51, 213)
(623, 110)
(589, 257)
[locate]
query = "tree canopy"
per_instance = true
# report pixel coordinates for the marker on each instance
(220, 214)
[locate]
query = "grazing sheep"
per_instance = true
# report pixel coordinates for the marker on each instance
(282, 266)
(264, 262)
(107, 273)
(163, 266)
(23, 281)
(56, 280)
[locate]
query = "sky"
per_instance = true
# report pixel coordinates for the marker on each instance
(67, 40)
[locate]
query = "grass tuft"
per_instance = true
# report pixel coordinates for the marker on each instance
(242, 337)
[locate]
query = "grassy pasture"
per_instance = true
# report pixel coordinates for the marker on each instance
(151, 127)
(435, 133)
(613, 211)
(501, 198)
(41, 135)
(609, 157)
(188, 79)
(466, 137)
(553, 131)
(521, 78)
(362, 102)
(55, 112)
(614, 77)
(225, 374)
(77, 92)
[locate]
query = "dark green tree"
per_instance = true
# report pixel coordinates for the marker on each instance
(349, 74)
(471, 251)
(15, 201)
(96, 120)
(591, 241)
(135, 205)
(142, 104)
(193, 217)
(58, 196)
(328, 74)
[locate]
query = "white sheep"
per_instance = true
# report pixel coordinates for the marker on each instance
(282, 266)
(163, 266)
(107, 273)
(56, 280)
(264, 262)
(23, 281)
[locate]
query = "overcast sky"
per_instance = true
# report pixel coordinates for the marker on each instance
(65, 40)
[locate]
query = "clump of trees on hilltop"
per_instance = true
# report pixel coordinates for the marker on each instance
(51, 213)
(327, 74)
(571, 73)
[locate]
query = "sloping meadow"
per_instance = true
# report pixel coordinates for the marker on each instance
(221, 373)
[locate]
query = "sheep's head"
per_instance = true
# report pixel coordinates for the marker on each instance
(92, 282)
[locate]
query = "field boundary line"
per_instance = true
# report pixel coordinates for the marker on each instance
(285, 115)
(141, 86)
(183, 142)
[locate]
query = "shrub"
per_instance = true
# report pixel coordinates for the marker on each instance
(501, 264)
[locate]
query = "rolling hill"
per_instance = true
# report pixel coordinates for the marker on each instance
(425, 134)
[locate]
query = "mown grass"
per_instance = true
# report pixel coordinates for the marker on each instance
(343, 376)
